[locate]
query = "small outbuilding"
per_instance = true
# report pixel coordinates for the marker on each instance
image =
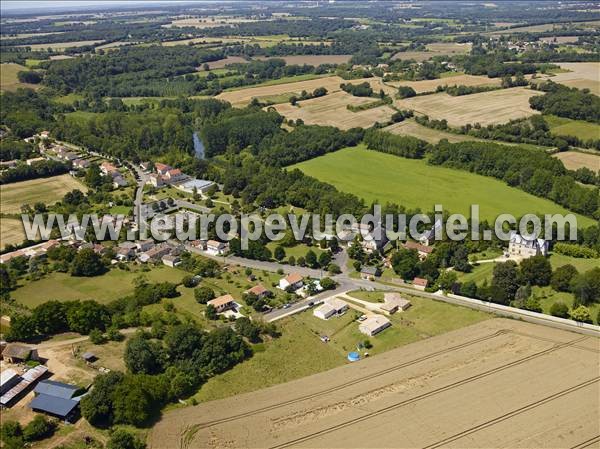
(369, 273)
(89, 357)
(17, 353)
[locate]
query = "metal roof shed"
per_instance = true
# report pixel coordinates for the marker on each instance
(52, 405)
(56, 389)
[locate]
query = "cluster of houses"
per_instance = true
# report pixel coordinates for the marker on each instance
(371, 324)
(167, 175)
(56, 399)
(147, 251)
(38, 250)
(211, 247)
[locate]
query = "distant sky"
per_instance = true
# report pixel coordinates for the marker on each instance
(28, 5)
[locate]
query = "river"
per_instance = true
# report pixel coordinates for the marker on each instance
(198, 146)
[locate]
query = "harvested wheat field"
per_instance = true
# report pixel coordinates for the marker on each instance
(582, 75)
(331, 110)
(411, 128)
(11, 232)
(486, 108)
(242, 97)
(312, 59)
(221, 63)
(45, 190)
(435, 49)
(499, 383)
(574, 160)
(431, 85)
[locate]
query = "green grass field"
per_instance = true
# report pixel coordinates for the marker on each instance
(561, 126)
(412, 183)
(299, 352)
(112, 285)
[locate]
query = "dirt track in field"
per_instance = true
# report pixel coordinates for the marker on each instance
(499, 383)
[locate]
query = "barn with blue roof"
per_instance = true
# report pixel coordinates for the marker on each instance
(56, 399)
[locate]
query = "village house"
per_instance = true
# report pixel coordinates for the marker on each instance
(144, 245)
(216, 248)
(428, 237)
(161, 168)
(259, 290)
(156, 180)
(156, 253)
(369, 273)
(392, 302)
(81, 163)
(119, 181)
(331, 307)
(171, 260)
(174, 175)
(107, 168)
(525, 248)
(292, 281)
(374, 240)
(222, 303)
(423, 250)
(145, 166)
(199, 244)
(420, 283)
(374, 324)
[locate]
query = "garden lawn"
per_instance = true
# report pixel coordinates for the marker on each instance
(413, 183)
(299, 351)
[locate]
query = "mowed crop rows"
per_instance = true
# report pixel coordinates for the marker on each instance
(475, 384)
(582, 75)
(459, 80)
(242, 97)
(412, 128)
(332, 110)
(485, 108)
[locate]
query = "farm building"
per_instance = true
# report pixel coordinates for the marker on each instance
(89, 357)
(8, 379)
(222, 303)
(374, 325)
(423, 250)
(25, 382)
(55, 399)
(331, 307)
(292, 280)
(17, 353)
